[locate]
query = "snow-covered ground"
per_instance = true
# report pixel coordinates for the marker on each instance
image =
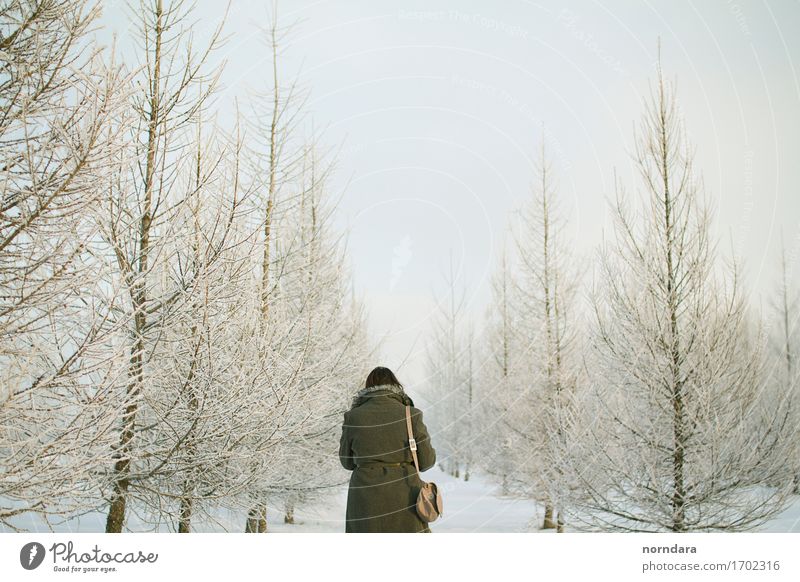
(475, 505)
(471, 506)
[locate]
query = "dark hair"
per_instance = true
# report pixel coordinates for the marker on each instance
(381, 375)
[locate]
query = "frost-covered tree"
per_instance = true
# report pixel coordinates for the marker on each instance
(494, 442)
(278, 155)
(679, 436)
(547, 281)
(144, 207)
(199, 394)
(538, 325)
(448, 358)
(785, 372)
(61, 112)
(330, 327)
(178, 329)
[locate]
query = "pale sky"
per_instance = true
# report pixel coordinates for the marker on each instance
(439, 107)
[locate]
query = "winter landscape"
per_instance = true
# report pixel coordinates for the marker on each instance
(478, 505)
(196, 275)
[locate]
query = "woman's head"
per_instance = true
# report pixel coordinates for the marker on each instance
(380, 376)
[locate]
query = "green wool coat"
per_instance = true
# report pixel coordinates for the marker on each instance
(382, 495)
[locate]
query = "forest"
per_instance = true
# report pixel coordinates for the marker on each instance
(180, 333)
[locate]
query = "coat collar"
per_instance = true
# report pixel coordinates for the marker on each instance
(381, 390)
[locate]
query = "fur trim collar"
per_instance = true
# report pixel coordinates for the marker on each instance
(366, 392)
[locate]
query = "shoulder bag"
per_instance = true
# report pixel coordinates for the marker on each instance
(429, 500)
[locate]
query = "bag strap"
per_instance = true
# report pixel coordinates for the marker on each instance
(411, 442)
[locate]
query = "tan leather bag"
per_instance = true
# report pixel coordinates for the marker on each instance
(429, 500)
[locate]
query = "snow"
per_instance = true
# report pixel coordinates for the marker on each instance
(788, 520)
(470, 506)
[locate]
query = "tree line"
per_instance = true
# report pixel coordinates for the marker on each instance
(655, 398)
(179, 334)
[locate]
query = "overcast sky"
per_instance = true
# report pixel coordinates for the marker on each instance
(439, 107)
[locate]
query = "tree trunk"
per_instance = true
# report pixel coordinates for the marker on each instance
(289, 516)
(560, 527)
(116, 512)
(678, 495)
(257, 519)
(186, 515)
(788, 348)
(548, 517)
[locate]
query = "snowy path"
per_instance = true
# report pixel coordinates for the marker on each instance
(469, 506)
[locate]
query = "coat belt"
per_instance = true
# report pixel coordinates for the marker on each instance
(381, 464)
